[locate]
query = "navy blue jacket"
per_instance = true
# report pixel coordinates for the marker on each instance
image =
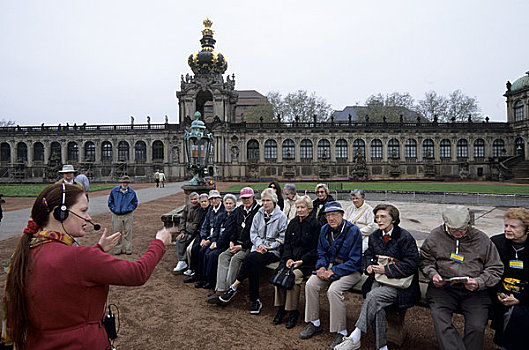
(122, 203)
(228, 224)
(349, 257)
(212, 221)
(401, 246)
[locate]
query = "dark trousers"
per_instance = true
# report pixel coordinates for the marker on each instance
(210, 261)
(473, 305)
(251, 267)
(195, 249)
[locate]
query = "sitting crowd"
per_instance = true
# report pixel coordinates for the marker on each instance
(219, 246)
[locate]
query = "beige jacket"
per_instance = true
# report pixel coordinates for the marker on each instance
(362, 217)
(290, 208)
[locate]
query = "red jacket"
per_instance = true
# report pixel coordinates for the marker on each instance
(68, 288)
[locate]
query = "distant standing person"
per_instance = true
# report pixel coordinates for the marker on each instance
(83, 180)
(1, 201)
(122, 202)
(280, 201)
(67, 173)
(156, 178)
(161, 178)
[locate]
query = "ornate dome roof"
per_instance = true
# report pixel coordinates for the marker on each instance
(521, 83)
(207, 60)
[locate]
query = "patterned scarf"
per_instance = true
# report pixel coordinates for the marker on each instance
(44, 237)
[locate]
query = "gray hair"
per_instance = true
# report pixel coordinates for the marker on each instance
(230, 196)
(203, 195)
(269, 192)
(360, 192)
(291, 188)
(192, 194)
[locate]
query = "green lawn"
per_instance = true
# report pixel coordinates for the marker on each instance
(34, 190)
(405, 186)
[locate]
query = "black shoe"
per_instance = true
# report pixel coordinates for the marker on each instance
(227, 295)
(200, 284)
(191, 279)
(292, 319)
(213, 298)
(310, 331)
(256, 307)
(207, 285)
(279, 316)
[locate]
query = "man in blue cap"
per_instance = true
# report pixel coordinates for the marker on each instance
(339, 267)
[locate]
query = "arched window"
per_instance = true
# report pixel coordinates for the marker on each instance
(445, 150)
(89, 152)
(73, 152)
(270, 149)
(55, 152)
(324, 149)
(518, 111)
(479, 148)
(289, 149)
(376, 148)
(5, 152)
(341, 149)
(519, 147)
(22, 152)
(140, 152)
(394, 149)
(305, 149)
(359, 145)
(106, 151)
(428, 148)
(462, 148)
(123, 151)
(252, 150)
(410, 148)
(38, 152)
(498, 148)
(157, 150)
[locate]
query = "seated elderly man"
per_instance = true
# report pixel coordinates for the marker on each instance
(461, 262)
(187, 231)
(361, 214)
(339, 267)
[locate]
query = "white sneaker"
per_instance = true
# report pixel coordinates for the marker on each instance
(189, 272)
(181, 266)
(347, 344)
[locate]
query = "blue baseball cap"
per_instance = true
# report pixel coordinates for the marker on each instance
(333, 206)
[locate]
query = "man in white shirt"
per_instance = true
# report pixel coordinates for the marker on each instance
(361, 214)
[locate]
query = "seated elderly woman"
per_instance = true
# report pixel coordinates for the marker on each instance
(267, 235)
(323, 197)
(290, 204)
(392, 241)
(511, 299)
(299, 252)
(220, 241)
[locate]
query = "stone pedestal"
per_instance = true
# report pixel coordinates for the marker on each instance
(196, 188)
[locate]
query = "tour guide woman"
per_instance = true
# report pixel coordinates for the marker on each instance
(55, 292)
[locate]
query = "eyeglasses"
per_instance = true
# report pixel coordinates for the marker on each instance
(332, 214)
(320, 191)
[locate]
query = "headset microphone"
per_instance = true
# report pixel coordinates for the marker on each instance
(97, 227)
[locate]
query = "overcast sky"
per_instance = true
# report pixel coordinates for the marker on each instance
(103, 61)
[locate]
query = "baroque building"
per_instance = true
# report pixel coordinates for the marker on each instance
(339, 149)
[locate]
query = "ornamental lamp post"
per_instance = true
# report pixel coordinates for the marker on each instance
(198, 142)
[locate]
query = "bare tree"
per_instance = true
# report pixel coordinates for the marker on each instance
(460, 107)
(432, 105)
(390, 107)
(4, 122)
(300, 104)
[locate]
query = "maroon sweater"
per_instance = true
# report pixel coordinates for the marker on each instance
(68, 288)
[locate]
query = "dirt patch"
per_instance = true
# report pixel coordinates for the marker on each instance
(165, 313)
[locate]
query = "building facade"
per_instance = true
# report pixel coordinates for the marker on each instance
(334, 150)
